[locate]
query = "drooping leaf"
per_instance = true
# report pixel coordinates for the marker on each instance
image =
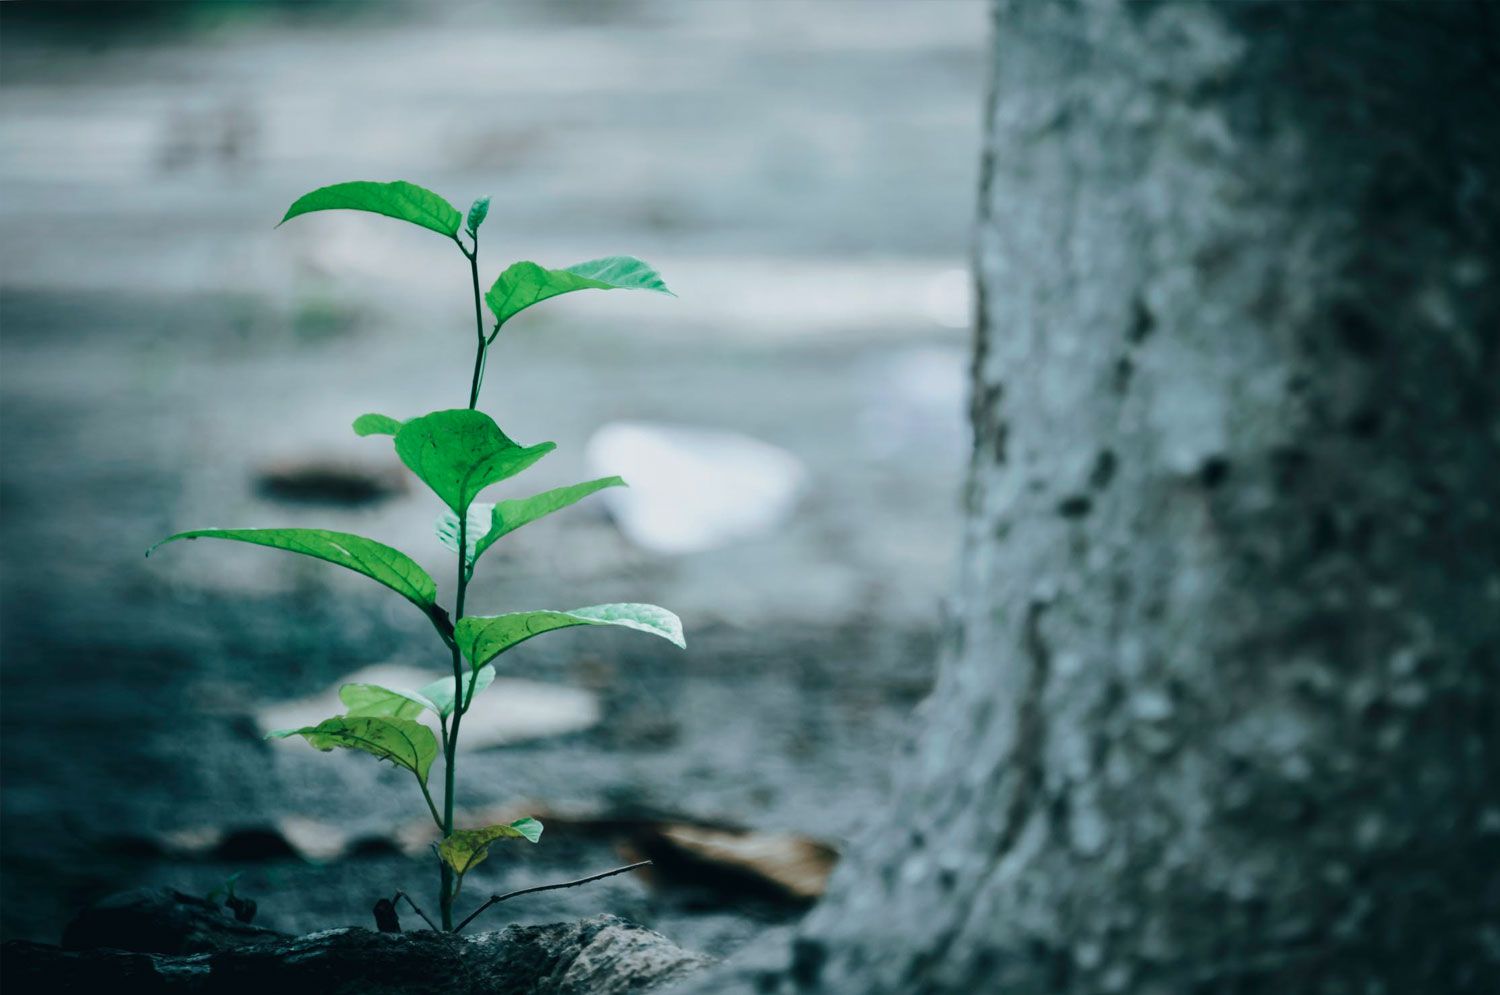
(403, 742)
(524, 284)
(478, 211)
(484, 637)
(377, 561)
(401, 200)
(372, 699)
(459, 453)
(440, 691)
(507, 516)
(467, 848)
(373, 424)
(446, 528)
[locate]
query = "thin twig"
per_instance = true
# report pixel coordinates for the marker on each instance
(496, 899)
(416, 908)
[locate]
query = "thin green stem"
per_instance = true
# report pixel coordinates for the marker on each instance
(430, 806)
(482, 345)
(495, 899)
(448, 887)
(479, 352)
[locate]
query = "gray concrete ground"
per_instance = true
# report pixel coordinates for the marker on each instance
(801, 173)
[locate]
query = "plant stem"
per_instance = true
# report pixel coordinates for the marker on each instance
(447, 889)
(415, 907)
(496, 899)
(482, 347)
(450, 748)
(430, 806)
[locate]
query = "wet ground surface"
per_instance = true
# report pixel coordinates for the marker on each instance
(802, 174)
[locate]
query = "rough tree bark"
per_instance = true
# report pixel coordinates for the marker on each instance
(1219, 711)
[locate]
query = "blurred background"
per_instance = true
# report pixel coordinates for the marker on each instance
(802, 174)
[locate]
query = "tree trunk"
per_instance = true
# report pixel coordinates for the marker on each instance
(1219, 709)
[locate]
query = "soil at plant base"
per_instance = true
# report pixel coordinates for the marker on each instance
(803, 178)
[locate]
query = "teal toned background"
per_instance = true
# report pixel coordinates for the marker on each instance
(801, 173)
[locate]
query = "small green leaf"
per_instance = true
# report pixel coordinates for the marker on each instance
(488, 522)
(372, 699)
(440, 691)
(459, 453)
(401, 200)
(507, 516)
(478, 211)
(524, 284)
(484, 637)
(377, 561)
(403, 742)
(529, 828)
(446, 528)
(376, 425)
(467, 848)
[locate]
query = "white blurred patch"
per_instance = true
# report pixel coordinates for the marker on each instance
(949, 298)
(509, 711)
(916, 399)
(693, 489)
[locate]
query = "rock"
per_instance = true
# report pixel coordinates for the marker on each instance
(161, 921)
(604, 955)
(693, 489)
(327, 481)
(39, 967)
(622, 957)
(514, 710)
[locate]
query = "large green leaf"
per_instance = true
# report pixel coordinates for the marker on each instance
(440, 691)
(484, 637)
(488, 522)
(372, 699)
(401, 200)
(467, 848)
(524, 284)
(377, 561)
(459, 453)
(403, 742)
(373, 424)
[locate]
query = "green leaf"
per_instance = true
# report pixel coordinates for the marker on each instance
(401, 200)
(437, 697)
(440, 691)
(488, 522)
(403, 742)
(372, 699)
(467, 848)
(484, 637)
(507, 516)
(446, 528)
(377, 561)
(376, 425)
(524, 284)
(478, 211)
(459, 453)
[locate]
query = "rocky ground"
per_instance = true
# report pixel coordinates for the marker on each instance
(802, 174)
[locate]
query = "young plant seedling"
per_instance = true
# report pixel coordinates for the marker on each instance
(458, 453)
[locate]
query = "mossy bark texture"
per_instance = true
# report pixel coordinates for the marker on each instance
(1220, 708)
